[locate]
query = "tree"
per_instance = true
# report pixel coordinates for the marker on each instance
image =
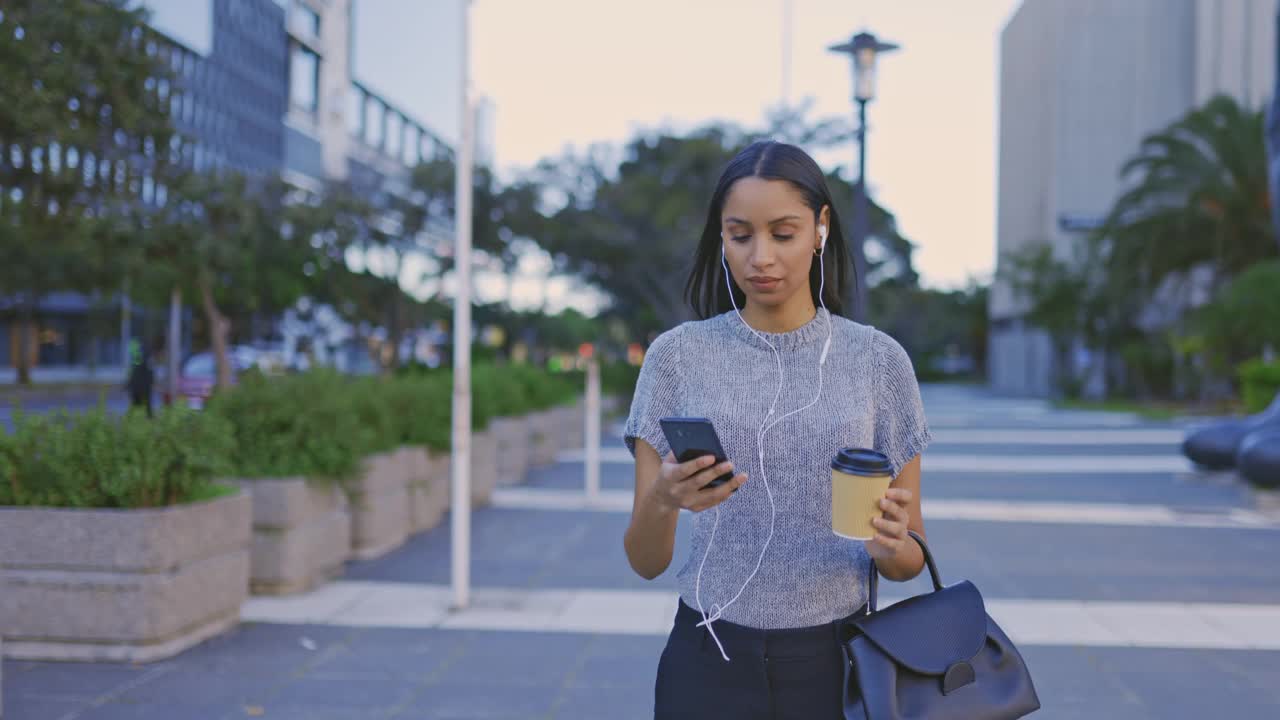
(220, 238)
(632, 231)
(82, 116)
(1244, 320)
(1056, 291)
(1197, 196)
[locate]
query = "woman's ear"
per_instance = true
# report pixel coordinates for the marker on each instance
(824, 227)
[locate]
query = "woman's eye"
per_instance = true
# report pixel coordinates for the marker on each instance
(783, 237)
(741, 238)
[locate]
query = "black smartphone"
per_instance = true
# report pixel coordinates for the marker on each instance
(693, 437)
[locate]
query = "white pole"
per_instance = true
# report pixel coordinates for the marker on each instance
(460, 510)
(126, 328)
(593, 431)
(175, 342)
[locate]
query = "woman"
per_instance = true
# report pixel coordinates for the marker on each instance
(787, 382)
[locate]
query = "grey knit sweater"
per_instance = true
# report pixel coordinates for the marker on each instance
(718, 369)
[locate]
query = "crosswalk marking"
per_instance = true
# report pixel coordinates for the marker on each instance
(1222, 626)
(1123, 514)
(1041, 464)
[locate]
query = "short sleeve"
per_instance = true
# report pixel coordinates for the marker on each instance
(902, 431)
(657, 394)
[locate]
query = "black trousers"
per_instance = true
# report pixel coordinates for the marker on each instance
(797, 673)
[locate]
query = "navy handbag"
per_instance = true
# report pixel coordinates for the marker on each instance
(937, 656)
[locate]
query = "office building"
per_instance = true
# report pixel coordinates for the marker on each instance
(1081, 83)
(275, 86)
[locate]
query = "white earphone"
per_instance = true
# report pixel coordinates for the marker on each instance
(717, 611)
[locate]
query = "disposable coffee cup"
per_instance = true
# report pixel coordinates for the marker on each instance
(859, 479)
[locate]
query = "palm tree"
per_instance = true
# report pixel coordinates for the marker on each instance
(1198, 196)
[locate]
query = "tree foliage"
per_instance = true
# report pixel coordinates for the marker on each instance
(82, 98)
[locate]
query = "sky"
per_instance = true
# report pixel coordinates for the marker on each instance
(566, 74)
(569, 73)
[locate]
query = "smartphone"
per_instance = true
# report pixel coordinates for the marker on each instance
(694, 437)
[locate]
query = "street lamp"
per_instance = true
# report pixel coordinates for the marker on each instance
(863, 49)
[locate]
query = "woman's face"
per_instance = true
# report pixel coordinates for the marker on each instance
(769, 239)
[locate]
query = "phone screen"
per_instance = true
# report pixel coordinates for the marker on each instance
(692, 438)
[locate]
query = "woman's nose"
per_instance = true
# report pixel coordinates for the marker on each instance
(762, 256)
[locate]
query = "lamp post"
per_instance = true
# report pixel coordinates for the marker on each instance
(863, 50)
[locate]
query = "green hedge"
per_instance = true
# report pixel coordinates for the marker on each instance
(1259, 383)
(95, 460)
(319, 424)
(545, 390)
(619, 379)
(313, 424)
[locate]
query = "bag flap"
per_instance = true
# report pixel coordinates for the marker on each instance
(929, 633)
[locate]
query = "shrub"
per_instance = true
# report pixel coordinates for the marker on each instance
(296, 425)
(544, 389)
(619, 378)
(498, 392)
(1259, 384)
(371, 401)
(94, 460)
(423, 406)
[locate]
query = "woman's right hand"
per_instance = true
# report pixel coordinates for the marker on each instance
(680, 485)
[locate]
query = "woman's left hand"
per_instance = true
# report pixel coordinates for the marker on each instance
(891, 528)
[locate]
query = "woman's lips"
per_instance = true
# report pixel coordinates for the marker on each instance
(763, 283)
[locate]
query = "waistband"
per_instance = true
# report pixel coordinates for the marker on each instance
(780, 643)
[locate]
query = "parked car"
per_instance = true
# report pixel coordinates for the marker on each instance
(199, 374)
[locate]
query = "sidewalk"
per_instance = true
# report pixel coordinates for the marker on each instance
(1134, 593)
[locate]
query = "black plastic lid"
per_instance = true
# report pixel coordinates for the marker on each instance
(861, 461)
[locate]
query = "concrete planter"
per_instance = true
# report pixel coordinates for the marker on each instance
(121, 585)
(574, 422)
(379, 506)
(544, 438)
(484, 466)
(512, 434)
(301, 534)
(428, 487)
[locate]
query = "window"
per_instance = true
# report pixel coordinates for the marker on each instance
(355, 111)
(412, 144)
(374, 128)
(305, 20)
(304, 79)
(395, 134)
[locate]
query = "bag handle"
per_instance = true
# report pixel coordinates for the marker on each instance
(874, 581)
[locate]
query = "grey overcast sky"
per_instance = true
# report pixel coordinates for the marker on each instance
(574, 72)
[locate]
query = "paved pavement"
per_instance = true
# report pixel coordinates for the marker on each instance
(1134, 588)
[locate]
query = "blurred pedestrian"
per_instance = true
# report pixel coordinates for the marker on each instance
(141, 378)
(769, 589)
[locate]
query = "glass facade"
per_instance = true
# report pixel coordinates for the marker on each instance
(304, 78)
(237, 75)
(306, 20)
(379, 126)
(190, 22)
